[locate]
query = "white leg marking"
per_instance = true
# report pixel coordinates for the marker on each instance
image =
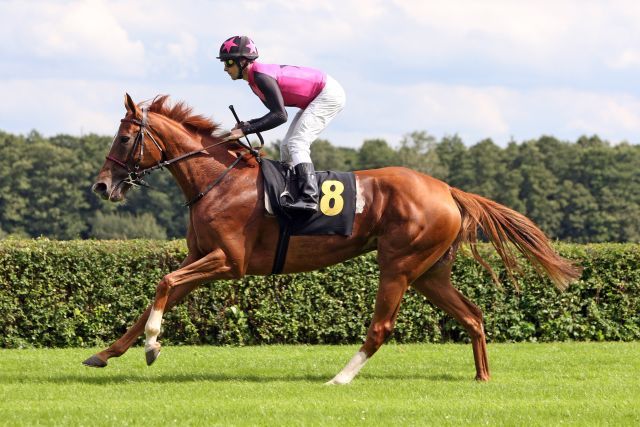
(359, 197)
(152, 329)
(351, 370)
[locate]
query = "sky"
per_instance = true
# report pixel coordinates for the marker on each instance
(505, 70)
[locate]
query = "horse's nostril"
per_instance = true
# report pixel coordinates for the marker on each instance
(100, 188)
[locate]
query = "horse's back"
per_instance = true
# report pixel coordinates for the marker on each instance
(402, 185)
(408, 201)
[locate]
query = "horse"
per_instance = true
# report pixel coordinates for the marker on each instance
(415, 222)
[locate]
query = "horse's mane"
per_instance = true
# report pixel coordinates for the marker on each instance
(183, 114)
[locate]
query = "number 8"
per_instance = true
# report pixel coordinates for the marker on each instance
(332, 190)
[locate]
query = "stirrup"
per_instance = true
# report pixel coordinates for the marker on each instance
(301, 205)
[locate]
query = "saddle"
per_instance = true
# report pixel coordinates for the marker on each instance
(336, 211)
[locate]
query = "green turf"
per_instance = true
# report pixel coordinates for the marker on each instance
(532, 384)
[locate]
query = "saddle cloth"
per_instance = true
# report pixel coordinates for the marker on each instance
(337, 205)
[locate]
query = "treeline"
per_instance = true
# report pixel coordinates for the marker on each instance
(582, 191)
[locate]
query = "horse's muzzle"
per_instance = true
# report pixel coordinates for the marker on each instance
(101, 189)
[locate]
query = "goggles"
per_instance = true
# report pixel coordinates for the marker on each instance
(229, 62)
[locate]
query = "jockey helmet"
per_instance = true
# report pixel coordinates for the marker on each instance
(237, 47)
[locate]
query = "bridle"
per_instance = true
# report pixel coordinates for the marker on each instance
(134, 177)
(135, 174)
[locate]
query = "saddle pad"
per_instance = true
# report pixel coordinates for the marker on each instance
(337, 201)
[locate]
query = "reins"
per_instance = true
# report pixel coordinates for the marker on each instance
(135, 175)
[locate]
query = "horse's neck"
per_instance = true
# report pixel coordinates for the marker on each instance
(195, 172)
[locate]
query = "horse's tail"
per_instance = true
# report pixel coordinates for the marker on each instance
(501, 226)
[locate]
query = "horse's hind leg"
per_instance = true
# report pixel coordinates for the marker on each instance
(436, 285)
(400, 263)
(390, 293)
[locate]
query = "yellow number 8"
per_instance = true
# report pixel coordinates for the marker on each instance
(332, 190)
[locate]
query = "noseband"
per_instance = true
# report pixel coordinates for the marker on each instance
(135, 174)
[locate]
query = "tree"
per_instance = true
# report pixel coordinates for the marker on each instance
(539, 189)
(418, 152)
(124, 226)
(164, 199)
(587, 191)
(486, 167)
(55, 198)
(376, 153)
(579, 209)
(15, 168)
(328, 157)
(511, 179)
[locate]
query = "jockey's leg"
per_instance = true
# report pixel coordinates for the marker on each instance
(285, 154)
(303, 131)
(308, 192)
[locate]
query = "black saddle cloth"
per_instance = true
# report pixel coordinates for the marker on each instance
(337, 200)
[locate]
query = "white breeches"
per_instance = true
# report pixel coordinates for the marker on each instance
(307, 124)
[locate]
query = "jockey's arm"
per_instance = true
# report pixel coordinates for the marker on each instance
(273, 100)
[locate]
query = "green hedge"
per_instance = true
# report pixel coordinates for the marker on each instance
(86, 293)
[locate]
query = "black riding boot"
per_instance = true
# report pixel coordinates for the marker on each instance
(308, 189)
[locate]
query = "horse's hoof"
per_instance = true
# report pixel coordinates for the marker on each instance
(482, 378)
(95, 362)
(152, 354)
(337, 381)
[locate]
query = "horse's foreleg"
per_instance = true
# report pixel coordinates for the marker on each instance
(390, 293)
(119, 347)
(436, 286)
(213, 266)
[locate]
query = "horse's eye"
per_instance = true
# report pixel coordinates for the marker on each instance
(124, 139)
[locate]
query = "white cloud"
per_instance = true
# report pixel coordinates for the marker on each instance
(499, 113)
(627, 59)
(180, 56)
(59, 106)
(543, 35)
(482, 69)
(84, 33)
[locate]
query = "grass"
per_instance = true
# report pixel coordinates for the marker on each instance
(532, 384)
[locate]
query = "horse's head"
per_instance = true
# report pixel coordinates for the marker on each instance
(134, 149)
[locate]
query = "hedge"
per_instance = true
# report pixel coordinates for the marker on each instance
(86, 293)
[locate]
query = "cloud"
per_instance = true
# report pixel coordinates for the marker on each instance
(627, 59)
(53, 106)
(78, 36)
(482, 69)
(522, 43)
(178, 57)
(496, 112)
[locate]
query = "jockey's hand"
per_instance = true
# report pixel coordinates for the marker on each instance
(235, 134)
(239, 125)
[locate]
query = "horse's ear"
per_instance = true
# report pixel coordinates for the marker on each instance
(130, 105)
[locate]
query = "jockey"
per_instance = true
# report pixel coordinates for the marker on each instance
(319, 97)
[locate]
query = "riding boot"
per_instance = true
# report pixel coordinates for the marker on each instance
(307, 199)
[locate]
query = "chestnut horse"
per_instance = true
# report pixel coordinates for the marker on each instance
(414, 221)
